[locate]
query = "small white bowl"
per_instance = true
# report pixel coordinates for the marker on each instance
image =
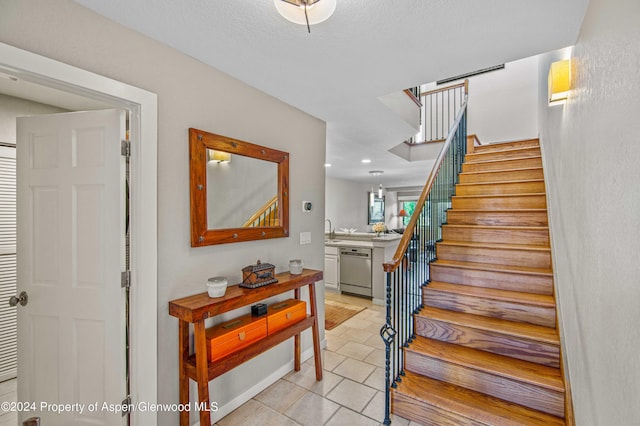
(295, 266)
(217, 286)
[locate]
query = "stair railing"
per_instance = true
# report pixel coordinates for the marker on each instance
(408, 272)
(439, 110)
(266, 215)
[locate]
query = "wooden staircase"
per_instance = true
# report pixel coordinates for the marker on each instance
(487, 350)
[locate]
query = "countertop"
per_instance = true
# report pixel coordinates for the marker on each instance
(361, 239)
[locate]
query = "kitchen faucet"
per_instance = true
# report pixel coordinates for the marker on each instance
(332, 233)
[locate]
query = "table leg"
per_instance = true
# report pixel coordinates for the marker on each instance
(202, 371)
(183, 355)
(296, 340)
(317, 356)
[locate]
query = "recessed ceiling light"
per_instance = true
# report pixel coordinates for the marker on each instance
(366, 161)
(327, 164)
(376, 172)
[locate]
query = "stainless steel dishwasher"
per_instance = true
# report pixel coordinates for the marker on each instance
(355, 271)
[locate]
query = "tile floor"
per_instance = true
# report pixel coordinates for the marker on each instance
(351, 392)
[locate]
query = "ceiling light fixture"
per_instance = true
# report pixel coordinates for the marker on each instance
(305, 12)
(366, 161)
(327, 164)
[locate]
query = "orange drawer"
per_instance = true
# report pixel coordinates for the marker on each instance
(233, 335)
(285, 313)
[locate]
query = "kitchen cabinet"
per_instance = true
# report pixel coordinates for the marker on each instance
(331, 268)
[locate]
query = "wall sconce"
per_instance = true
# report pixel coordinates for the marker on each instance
(559, 82)
(305, 12)
(218, 156)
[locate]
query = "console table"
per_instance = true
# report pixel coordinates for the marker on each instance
(195, 309)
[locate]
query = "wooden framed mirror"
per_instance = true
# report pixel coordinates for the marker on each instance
(239, 191)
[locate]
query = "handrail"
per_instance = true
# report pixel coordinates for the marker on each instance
(406, 237)
(413, 97)
(262, 210)
(409, 271)
(464, 84)
(439, 109)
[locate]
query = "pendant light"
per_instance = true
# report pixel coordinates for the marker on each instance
(371, 194)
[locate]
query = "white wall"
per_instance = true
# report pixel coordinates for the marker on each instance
(591, 148)
(11, 107)
(346, 205)
(503, 104)
(190, 94)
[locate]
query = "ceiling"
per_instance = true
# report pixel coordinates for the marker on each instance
(367, 49)
(12, 86)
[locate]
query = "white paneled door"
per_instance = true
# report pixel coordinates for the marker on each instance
(71, 245)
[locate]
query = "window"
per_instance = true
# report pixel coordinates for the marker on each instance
(409, 207)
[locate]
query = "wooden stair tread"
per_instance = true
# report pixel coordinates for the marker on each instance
(501, 227)
(495, 267)
(531, 194)
(516, 329)
(504, 159)
(514, 211)
(523, 169)
(473, 405)
(510, 141)
(495, 246)
(495, 294)
(517, 152)
(499, 365)
(500, 182)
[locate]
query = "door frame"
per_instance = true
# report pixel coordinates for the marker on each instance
(144, 239)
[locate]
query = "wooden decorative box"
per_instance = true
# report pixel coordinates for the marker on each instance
(282, 314)
(233, 335)
(258, 275)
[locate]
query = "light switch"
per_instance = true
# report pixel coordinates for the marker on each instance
(305, 238)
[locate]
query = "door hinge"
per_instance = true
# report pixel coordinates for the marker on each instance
(126, 406)
(125, 279)
(125, 148)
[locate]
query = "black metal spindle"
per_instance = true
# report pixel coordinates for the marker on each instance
(405, 283)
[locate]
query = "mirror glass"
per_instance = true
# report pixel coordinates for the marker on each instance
(241, 191)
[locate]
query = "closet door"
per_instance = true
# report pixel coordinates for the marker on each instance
(8, 322)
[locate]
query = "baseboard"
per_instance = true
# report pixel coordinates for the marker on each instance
(236, 402)
(379, 302)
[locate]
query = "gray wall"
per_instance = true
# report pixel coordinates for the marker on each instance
(591, 148)
(190, 94)
(347, 204)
